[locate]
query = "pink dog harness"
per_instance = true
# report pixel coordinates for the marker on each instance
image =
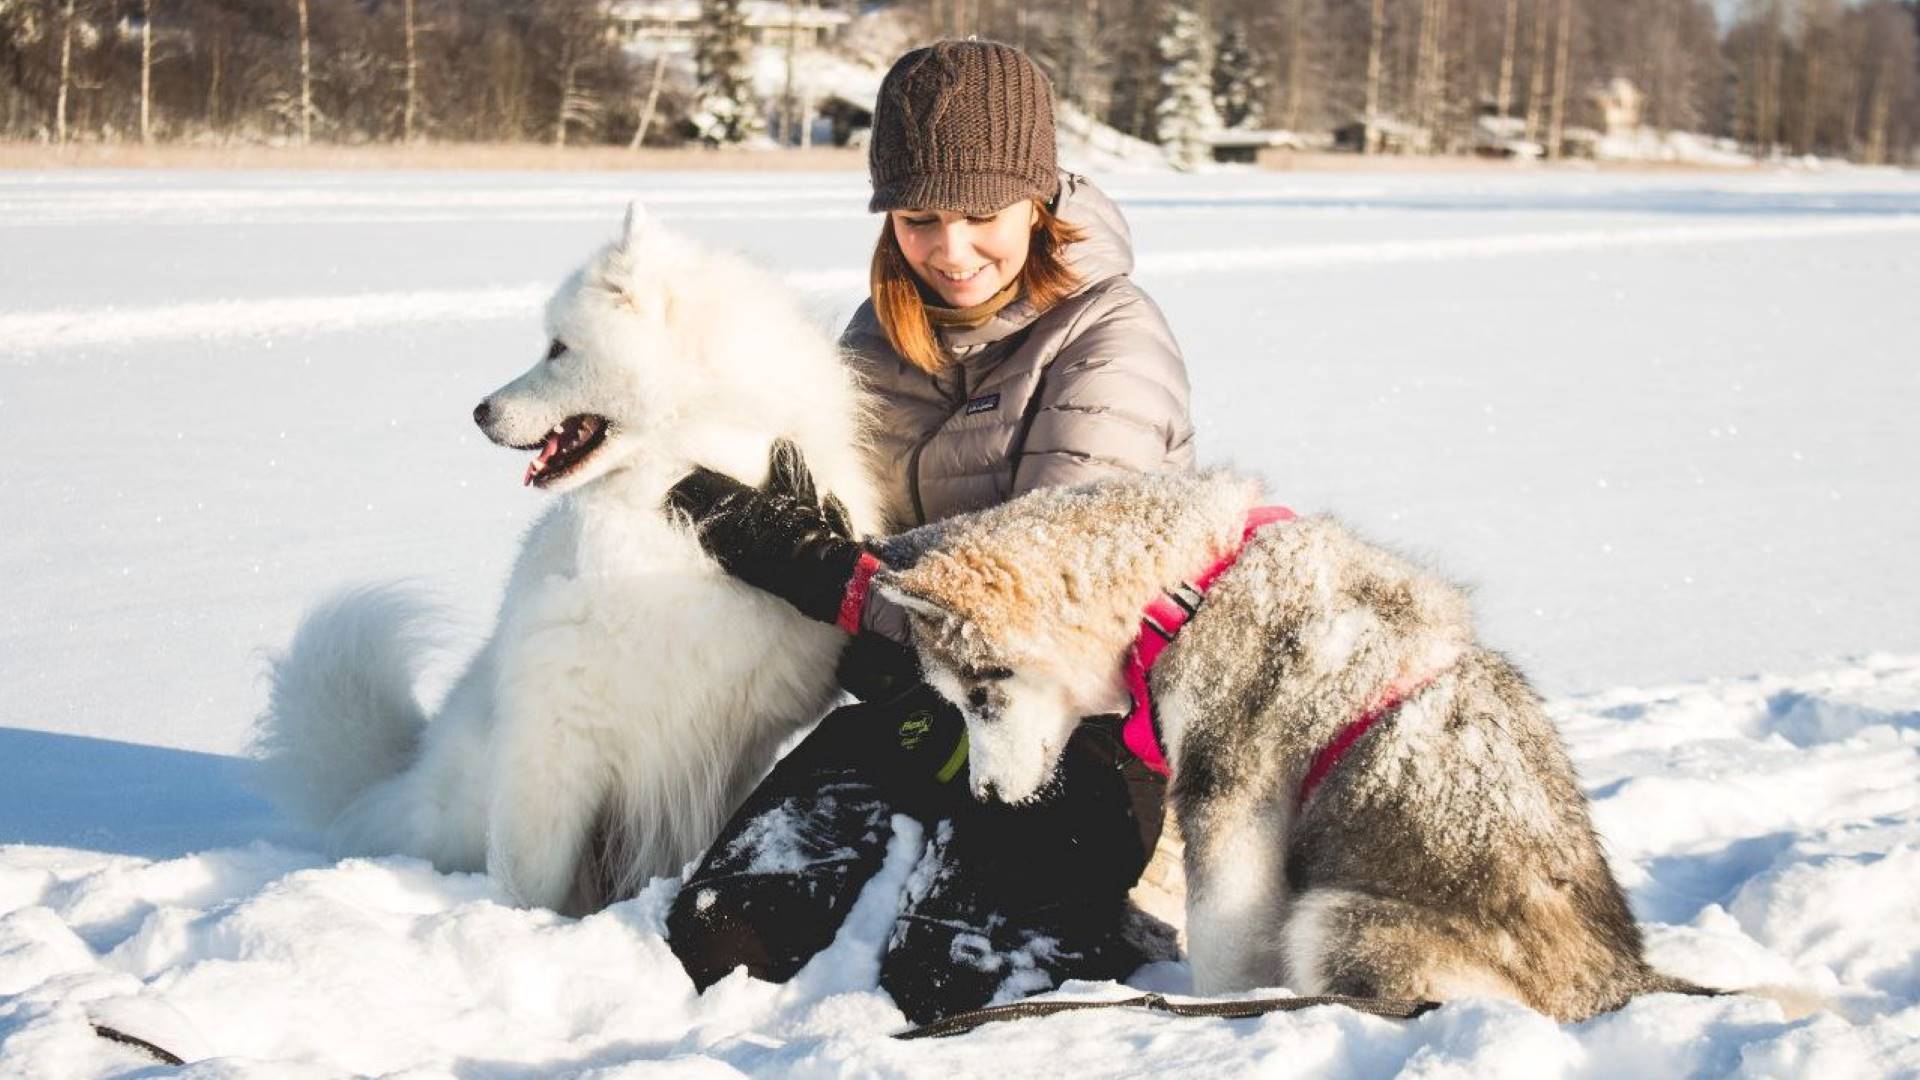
(1162, 621)
(1158, 625)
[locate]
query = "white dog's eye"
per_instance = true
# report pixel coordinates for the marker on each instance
(554, 350)
(977, 697)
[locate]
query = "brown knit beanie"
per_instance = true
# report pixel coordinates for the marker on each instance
(964, 126)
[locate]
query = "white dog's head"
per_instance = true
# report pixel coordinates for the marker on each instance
(614, 367)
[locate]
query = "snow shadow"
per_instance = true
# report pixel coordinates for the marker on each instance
(125, 798)
(1682, 885)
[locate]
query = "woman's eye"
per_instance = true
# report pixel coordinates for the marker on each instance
(919, 222)
(554, 350)
(977, 697)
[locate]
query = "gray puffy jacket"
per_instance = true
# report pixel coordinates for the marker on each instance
(1092, 387)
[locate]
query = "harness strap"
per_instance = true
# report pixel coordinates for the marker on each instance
(1159, 624)
(1162, 621)
(1343, 740)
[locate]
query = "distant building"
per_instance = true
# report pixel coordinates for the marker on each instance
(1580, 142)
(1386, 136)
(1251, 146)
(847, 122)
(1497, 136)
(675, 24)
(1620, 103)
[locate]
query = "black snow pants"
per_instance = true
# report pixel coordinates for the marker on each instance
(1005, 901)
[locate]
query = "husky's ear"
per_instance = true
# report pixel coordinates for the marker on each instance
(888, 583)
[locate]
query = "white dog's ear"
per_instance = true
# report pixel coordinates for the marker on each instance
(635, 226)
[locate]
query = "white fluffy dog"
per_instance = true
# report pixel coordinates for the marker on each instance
(630, 693)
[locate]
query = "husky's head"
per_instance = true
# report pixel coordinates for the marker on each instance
(1021, 704)
(1023, 614)
(612, 369)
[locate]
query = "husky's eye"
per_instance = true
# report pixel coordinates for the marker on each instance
(554, 350)
(977, 697)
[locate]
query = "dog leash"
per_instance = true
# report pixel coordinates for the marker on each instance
(158, 1053)
(961, 1023)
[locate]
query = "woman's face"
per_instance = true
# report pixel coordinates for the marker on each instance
(966, 260)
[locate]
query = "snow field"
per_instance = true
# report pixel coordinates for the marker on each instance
(1765, 827)
(1662, 423)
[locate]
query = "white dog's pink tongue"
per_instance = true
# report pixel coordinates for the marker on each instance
(546, 455)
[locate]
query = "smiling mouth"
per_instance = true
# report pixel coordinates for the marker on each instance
(958, 278)
(571, 442)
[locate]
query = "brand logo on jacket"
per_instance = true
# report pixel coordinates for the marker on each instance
(988, 403)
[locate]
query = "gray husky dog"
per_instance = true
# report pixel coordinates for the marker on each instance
(1373, 803)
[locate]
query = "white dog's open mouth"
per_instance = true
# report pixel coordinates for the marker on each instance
(571, 442)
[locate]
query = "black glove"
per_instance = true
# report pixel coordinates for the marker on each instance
(876, 668)
(781, 537)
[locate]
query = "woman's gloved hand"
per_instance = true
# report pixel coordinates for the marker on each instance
(782, 537)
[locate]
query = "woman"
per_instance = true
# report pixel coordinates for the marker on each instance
(1006, 349)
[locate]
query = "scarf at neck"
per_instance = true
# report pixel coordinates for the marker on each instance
(967, 318)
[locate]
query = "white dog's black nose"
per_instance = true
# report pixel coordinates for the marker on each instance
(482, 413)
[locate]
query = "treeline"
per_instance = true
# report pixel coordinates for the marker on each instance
(350, 71)
(1829, 77)
(1797, 76)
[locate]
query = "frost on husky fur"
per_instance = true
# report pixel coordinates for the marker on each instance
(1449, 854)
(630, 692)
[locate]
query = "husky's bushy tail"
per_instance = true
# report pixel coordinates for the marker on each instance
(341, 713)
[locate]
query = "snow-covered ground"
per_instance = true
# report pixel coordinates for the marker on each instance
(1664, 424)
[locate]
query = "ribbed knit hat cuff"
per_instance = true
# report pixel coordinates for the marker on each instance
(961, 193)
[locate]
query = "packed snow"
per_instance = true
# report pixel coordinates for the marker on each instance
(1662, 423)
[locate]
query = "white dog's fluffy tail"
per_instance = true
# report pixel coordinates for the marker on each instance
(341, 714)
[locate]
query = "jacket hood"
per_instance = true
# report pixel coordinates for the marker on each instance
(1107, 250)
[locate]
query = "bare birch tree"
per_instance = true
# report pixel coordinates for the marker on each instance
(306, 76)
(410, 108)
(1510, 28)
(1376, 38)
(66, 74)
(1537, 81)
(1562, 56)
(146, 71)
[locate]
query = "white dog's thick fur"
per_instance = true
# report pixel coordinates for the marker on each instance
(631, 692)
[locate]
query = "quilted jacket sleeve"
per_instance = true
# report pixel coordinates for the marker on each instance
(1113, 401)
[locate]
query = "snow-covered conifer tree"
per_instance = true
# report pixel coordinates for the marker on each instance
(1239, 80)
(725, 109)
(1186, 113)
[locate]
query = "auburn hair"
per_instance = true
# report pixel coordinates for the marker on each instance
(901, 308)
